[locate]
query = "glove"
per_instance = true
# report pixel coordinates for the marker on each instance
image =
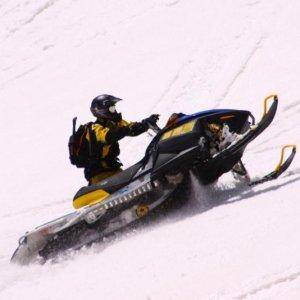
(151, 120)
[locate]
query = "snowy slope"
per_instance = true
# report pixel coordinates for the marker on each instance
(160, 56)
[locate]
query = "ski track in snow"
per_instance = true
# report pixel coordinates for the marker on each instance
(242, 68)
(269, 285)
(229, 241)
(31, 18)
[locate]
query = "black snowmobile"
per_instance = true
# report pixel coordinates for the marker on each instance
(189, 143)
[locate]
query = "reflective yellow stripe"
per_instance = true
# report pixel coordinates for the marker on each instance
(90, 198)
(100, 133)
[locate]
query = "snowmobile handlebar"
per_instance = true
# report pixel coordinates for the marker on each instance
(154, 127)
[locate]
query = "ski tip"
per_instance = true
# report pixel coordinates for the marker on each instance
(293, 146)
(266, 100)
(281, 167)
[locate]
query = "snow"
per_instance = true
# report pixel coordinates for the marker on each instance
(160, 56)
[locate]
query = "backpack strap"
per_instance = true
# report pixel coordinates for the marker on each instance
(71, 139)
(93, 144)
(74, 125)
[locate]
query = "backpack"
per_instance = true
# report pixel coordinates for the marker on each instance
(79, 147)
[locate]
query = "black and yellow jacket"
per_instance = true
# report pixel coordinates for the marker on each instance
(103, 137)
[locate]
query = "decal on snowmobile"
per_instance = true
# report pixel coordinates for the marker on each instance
(125, 190)
(90, 198)
(185, 128)
(226, 117)
(142, 210)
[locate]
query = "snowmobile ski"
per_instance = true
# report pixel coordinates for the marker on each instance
(281, 167)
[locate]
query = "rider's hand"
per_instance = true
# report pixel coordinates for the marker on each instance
(151, 120)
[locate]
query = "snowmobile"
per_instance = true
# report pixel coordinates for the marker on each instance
(209, 144)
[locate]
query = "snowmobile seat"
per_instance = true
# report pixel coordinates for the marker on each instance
(112, 183)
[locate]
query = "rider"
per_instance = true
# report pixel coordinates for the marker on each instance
(104, 135)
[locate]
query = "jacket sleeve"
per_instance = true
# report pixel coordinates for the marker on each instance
(124, 128)
(114, 135)
(105, 135)
(137, 128)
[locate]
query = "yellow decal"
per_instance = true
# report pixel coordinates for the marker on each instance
(167, 135)
(185, 128)
(142, 210)
(177, 131)
(90, 198)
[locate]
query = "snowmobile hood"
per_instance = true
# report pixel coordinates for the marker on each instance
(209, 112)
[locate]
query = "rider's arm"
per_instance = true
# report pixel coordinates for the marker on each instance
(109, 136)
(138, 128)
(125, 129)
(106, 135)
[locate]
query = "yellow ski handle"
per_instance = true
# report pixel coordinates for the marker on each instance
(282, 155)
(273, 96)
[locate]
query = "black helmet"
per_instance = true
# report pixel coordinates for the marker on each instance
(103, 106)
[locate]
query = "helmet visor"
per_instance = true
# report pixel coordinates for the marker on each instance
(110, 102)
